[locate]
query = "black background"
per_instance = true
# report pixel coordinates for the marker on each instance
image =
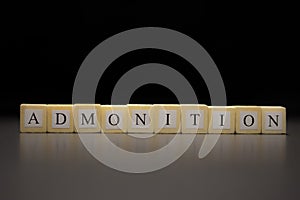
(253, 45)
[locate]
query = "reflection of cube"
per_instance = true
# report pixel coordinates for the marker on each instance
(33, 118)
(60, 118)
(86, 117)
(166, 118)
(273, 119)
(114, 118)
(248, 119)
(221, 119)
(194, 118)
(140, 118)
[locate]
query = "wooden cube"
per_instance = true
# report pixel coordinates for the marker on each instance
(194, 118)
(140, 118)
(167, 118)
(114, 118)
(221, 119)
(248, 119)
(60, 118)
(33, 118)
(273, 120)
(87, 117)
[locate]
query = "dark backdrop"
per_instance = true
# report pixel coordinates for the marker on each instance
(44, 44)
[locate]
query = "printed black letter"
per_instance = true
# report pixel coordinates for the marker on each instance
(139, 118)
(168, 119)
(222, 120)
(57, 118)
(87, 120)
(252, 120)
(117, 121)
(33, 117)
(273, 120)
(195, 115)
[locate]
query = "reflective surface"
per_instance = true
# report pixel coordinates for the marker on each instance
(57, 166)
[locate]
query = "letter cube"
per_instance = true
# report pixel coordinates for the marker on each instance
(273, 120)
(167, 118)
(194, 118)
(140, 118)
(60, 118)
(87, 117)
(221, 119)
(114, 118)
(248, 119)
(33, 118)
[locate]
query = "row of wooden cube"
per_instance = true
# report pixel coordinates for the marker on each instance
(157, 118)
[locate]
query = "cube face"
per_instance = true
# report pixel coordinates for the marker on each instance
(273, 120)
(33, 118)
(221, 119)
(60, 118)
(194, 118)
(166, 118)
(114, 118)
(248, 119)
(86, 117)
(140, 118)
